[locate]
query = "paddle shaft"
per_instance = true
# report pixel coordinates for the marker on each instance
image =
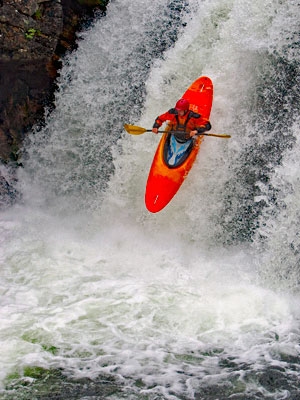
(185, 133)
(137, 130)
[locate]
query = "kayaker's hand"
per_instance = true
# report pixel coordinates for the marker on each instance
(193, 133)
(202, 129)
(155, 130)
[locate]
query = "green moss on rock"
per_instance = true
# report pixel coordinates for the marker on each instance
(36, 372)
(38, 383)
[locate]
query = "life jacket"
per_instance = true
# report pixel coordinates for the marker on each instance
(182, 124)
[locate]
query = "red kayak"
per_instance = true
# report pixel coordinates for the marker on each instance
(173, 161)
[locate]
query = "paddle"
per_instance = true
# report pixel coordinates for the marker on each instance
(137, 130)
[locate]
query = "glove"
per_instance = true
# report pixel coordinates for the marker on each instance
(201, 129)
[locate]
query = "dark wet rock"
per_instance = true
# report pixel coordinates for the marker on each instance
(25, 90)
(41, 384)
(267, 382)
(272, 380)
(34, 35)
(8, 194)
(37, 383)
(30, 31)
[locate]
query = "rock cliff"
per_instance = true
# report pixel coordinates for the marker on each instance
(34, 34)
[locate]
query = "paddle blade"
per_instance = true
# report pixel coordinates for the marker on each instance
(220, 136)
(134, 130)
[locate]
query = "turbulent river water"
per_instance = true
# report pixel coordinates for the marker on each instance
(199, 301)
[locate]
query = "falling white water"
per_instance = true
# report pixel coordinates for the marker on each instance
(193, 297)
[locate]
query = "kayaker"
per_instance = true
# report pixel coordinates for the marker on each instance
(181, 119)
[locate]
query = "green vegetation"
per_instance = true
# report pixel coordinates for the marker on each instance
(36, 372)
(47, 347)
(28, 372)
(37, 383)
(50, 349)
(38, 14)
(13, 376)
(31, 33)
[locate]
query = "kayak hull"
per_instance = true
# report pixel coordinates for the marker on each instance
(164, 180)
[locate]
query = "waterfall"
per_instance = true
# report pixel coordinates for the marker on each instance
(197, 301)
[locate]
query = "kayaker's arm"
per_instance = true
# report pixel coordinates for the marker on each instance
(204, 127)
(157, 124)
(201, 129)
(168, 116)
